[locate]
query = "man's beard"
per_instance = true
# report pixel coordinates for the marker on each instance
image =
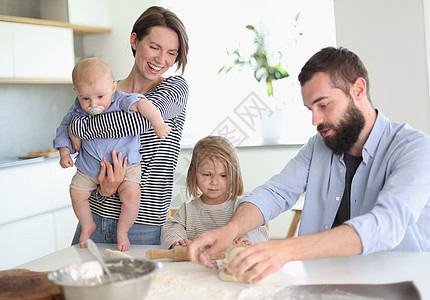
(346, 131)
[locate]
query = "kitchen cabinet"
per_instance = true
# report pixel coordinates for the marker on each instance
(26, 240)
(83, 12)
(36, 51)
(42, 51)
(36, 216)
(6, 50)
(95, 13)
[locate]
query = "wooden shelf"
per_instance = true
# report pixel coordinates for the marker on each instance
(35, 81)
(77, 29)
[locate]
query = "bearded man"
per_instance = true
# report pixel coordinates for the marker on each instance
(366, 179)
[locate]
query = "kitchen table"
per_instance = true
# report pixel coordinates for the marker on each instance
(187, 281)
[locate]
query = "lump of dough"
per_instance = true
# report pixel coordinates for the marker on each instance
(225, 275)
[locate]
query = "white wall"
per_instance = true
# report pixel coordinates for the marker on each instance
(389, 37)
(115, 47)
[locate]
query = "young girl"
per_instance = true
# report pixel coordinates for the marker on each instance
(214, 181)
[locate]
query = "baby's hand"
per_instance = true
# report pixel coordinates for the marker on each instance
(66, 161)
(184, 243)
(162, 130)
(242, 240)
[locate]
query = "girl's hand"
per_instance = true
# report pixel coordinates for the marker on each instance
(242, 240)
(184, 243)
(111, 177)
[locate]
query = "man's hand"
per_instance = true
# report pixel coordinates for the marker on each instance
(258, 261)
(208, 244)
(111, 177)
(261, 260)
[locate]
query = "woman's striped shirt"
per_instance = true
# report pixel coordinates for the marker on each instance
(159, 156)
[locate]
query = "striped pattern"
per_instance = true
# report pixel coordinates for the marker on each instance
(195, 217)
(159, 157)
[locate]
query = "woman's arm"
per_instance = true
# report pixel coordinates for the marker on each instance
(109, 125)
(170, 98)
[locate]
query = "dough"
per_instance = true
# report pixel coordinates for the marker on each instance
(225, 275)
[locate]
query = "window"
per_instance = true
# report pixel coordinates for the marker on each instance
(215, 99)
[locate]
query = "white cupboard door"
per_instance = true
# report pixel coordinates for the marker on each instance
(43, 51)
(26, 240)
(59, 184)
(65, 225)
(25, 192)
(91, 13)
(6, 50)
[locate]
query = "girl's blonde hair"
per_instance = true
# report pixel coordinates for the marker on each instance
(216, 148)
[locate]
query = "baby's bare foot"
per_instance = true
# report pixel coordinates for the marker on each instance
(123, 242)
(86, 232)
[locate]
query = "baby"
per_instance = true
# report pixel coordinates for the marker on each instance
(96, 93)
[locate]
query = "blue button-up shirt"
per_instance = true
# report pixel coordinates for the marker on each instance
(93, 151)
(390, 207)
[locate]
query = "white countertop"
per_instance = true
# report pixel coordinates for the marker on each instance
(183, 279)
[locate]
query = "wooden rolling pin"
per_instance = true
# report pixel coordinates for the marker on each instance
(180, 253)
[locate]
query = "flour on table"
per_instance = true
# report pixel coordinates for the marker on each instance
(171, 284)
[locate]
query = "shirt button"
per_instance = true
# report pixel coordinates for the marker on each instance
(337, 198)
(326, 226)
(341, 171)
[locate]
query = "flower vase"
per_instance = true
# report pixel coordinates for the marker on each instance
(272, 127)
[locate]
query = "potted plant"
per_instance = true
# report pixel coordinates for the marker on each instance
(266, 66)
(259, 62)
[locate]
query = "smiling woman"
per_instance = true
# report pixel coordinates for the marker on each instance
(158, 41)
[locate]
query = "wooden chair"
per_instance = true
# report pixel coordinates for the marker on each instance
(297, 209)
(171, 212)
(294, 222)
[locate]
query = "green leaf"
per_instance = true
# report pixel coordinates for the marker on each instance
(259, 61)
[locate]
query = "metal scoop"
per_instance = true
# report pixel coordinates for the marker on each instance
(95, 251)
